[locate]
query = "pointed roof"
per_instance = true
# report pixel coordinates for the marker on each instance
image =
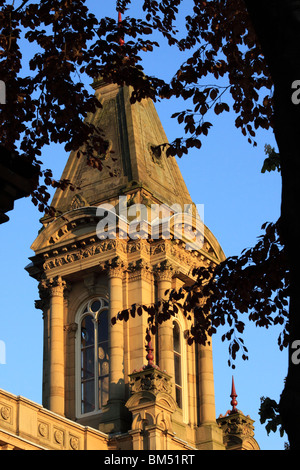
(132, 131)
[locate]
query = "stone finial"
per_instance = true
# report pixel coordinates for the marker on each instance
(233, 398)
(149, 355)
(121, 40)
(238, 429)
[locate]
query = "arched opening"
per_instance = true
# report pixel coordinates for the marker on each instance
(177, 351)
(93, 373)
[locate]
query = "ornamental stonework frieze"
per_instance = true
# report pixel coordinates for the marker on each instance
(161, 247)
(141, 245)
(176, 250)
(78, 252)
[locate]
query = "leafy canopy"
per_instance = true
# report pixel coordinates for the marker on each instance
(68, 43)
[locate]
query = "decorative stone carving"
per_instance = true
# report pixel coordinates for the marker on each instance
(164, 271)
(59, 436)
(139, 269)
(115, 267)
(237, 424)
(79, 254)
(71, 328)
(156, 153)
(54, 286)
(43, 429)
(150, 379)
(74, 443)
(5, 413)
(78, 201)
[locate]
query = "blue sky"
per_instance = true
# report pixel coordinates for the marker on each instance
(225, 176)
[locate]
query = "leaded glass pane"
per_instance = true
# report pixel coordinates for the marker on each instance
(179, 397)
(87, 331)
(95, 307)
(88, 396)
(94, 333)
(87, 363)
(176, 337)
(103, 326)
(177, 367)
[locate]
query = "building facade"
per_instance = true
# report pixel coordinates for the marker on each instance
(121, 236)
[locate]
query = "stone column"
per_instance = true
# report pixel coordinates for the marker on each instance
(116, 342)
(140, 292)
(206, 383)
(165, 330)
(57, 366)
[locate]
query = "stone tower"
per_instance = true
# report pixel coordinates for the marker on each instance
(96, 373)
(238, 429)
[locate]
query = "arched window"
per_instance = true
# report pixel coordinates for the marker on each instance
(94, 356)
(177, 363)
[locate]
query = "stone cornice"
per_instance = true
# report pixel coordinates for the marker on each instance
(92, 253)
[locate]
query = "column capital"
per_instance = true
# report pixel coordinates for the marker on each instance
(53, 286)
(164, 271)
(115, 268)
(140, 269)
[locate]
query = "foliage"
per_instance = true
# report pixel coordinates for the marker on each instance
(272, 162)
(253, 285)
(269, 411)
(68, 43)
(224, 65)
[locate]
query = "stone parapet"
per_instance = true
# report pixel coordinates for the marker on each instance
(25, 425)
